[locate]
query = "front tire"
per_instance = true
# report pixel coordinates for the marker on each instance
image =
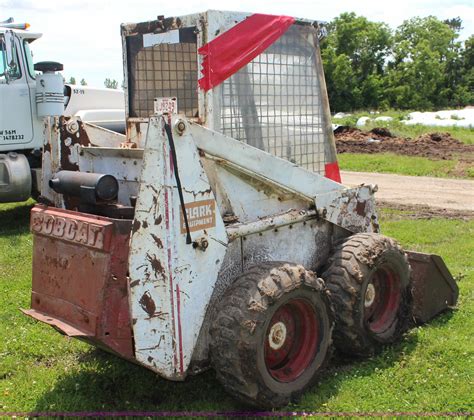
(272, 334)
(368, 276)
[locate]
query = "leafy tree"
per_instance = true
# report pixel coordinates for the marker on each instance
(424, 70)
(354, 55)
(111, 83)
(83, 82)
(465, 92)
(72, 80)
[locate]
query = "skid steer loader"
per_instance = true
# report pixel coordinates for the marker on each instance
(219, 233)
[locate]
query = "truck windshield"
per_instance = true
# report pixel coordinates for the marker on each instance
(29, 58)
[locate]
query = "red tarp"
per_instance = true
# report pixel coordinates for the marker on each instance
(229, 52)
(332, 171)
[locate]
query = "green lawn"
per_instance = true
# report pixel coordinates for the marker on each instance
(432, 370)
(392, 163)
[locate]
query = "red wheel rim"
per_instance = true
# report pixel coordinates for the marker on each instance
(291, 340)
(382, 300)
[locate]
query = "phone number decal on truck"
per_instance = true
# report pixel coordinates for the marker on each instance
(10, 135)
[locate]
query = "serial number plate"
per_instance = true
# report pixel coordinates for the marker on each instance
(166, 106)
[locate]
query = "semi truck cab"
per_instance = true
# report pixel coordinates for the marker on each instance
(19, 126)
(22, 94)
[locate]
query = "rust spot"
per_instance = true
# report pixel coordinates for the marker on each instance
(70, 137)
(148, 304)
(159, 244)
(136, 225)
(145, 224)
(150, 359)
(134, 321)
(134, 283)
(360, 208)
(155, 264)
(47, 148)
(158, 220)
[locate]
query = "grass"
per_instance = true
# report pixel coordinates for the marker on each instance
(465, 135)
(431, 370)
(392, 163)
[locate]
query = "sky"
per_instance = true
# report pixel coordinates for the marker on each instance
(84, 35)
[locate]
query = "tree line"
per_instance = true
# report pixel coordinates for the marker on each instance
(419, 65)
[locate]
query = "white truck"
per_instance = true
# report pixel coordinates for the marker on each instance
(21, 95)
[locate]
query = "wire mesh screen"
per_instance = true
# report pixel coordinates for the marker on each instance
(163, 70)
(274, 102)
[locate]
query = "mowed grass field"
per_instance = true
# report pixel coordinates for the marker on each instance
(431, 370)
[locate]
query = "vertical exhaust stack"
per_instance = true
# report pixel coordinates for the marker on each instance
(49, 89)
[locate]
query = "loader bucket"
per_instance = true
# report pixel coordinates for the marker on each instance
(80, 277)
(434, 288)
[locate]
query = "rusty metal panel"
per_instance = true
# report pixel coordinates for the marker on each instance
(51, 162)
(80, 276)
(433, 287)
(351, 208)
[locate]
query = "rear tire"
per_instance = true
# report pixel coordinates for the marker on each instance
(272, 334)
(368, 276)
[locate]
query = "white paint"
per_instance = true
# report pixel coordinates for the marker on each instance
(181, 290)
(170, 37)
(260, 164)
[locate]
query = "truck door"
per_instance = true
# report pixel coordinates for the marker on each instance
(16, 105)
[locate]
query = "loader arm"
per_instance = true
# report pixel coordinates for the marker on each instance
(350, 208)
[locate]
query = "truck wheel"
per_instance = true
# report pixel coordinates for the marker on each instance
(368, 276)
(272, 334)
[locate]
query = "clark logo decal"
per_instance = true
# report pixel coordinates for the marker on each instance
(201, 215)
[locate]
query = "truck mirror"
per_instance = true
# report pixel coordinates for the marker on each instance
(12, 69)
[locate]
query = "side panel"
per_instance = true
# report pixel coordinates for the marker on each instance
(171, 282)
(79, 277)
(308, 243)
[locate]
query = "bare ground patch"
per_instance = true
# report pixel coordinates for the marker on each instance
(424, 212)
(434, 146)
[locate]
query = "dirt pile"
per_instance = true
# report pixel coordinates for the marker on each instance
(381, 140)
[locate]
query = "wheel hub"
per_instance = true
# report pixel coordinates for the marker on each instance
(382, 299)
(277, 335)
(291, 340)
(369, 295)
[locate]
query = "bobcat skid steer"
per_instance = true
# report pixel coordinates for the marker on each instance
(219, 233)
